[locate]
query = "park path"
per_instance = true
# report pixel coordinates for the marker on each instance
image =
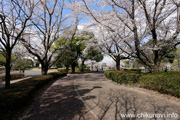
(59, 102)
(91, 96)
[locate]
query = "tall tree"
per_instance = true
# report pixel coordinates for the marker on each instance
(73, 51)
(50, 22)
(112, 45)
(92, 53)
(158, 20)
(66, 59)
(14, 16)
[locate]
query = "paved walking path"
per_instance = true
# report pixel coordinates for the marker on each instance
(91, 96)
(59, 102)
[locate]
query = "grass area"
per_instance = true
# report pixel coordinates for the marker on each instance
(14, 100)
(163, 82)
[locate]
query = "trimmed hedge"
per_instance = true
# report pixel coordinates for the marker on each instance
(13, 76)
(123, 77)
(13, 100)
(61, 69)
(2, 68)
(87, 69)
(164, 82)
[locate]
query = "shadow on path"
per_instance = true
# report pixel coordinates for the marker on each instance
(121, 105)
(60, 102)
(113, 102)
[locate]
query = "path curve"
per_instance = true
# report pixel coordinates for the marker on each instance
(109, 101)
(91, 96)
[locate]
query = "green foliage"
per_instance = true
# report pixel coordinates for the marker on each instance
(72, 53)
(13, 100)
(66, 59)
(86, 69)
(137, 70)
(22, 64)
(94, 55)
(104, 65)
(170, 56)
(176, 62)
(123, 77)
(61, 70)
(126, 63)
(2, 59)
(164, 82)
(75, 51)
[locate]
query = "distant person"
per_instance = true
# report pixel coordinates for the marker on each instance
(166, 69)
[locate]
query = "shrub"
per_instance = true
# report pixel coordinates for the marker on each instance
(137, 70)
(87, 69)
(2, 68)
(13, 76)
(61, 69)
(13, 100)
(164, 82)
(123, 77)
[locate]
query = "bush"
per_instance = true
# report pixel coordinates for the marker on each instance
(13, 100)
(61, 69)
(137, 70)
(123, 77)
(87, 69)
(13, 76)
(164, 82)
(2, 68)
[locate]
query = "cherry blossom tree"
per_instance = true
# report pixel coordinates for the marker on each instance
(14, 16)
(111, 44)
(50, 23)
(144, 19)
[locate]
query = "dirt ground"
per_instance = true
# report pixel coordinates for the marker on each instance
(91, 96)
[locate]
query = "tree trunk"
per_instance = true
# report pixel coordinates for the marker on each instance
(117, 65)
(8, 69)
(92, 66)
(67, 68)
(155, 68)
(73, 66)
(82, 66)
(44, 69)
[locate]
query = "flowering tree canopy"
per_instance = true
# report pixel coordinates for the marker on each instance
(143, 19)
(49, 23)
